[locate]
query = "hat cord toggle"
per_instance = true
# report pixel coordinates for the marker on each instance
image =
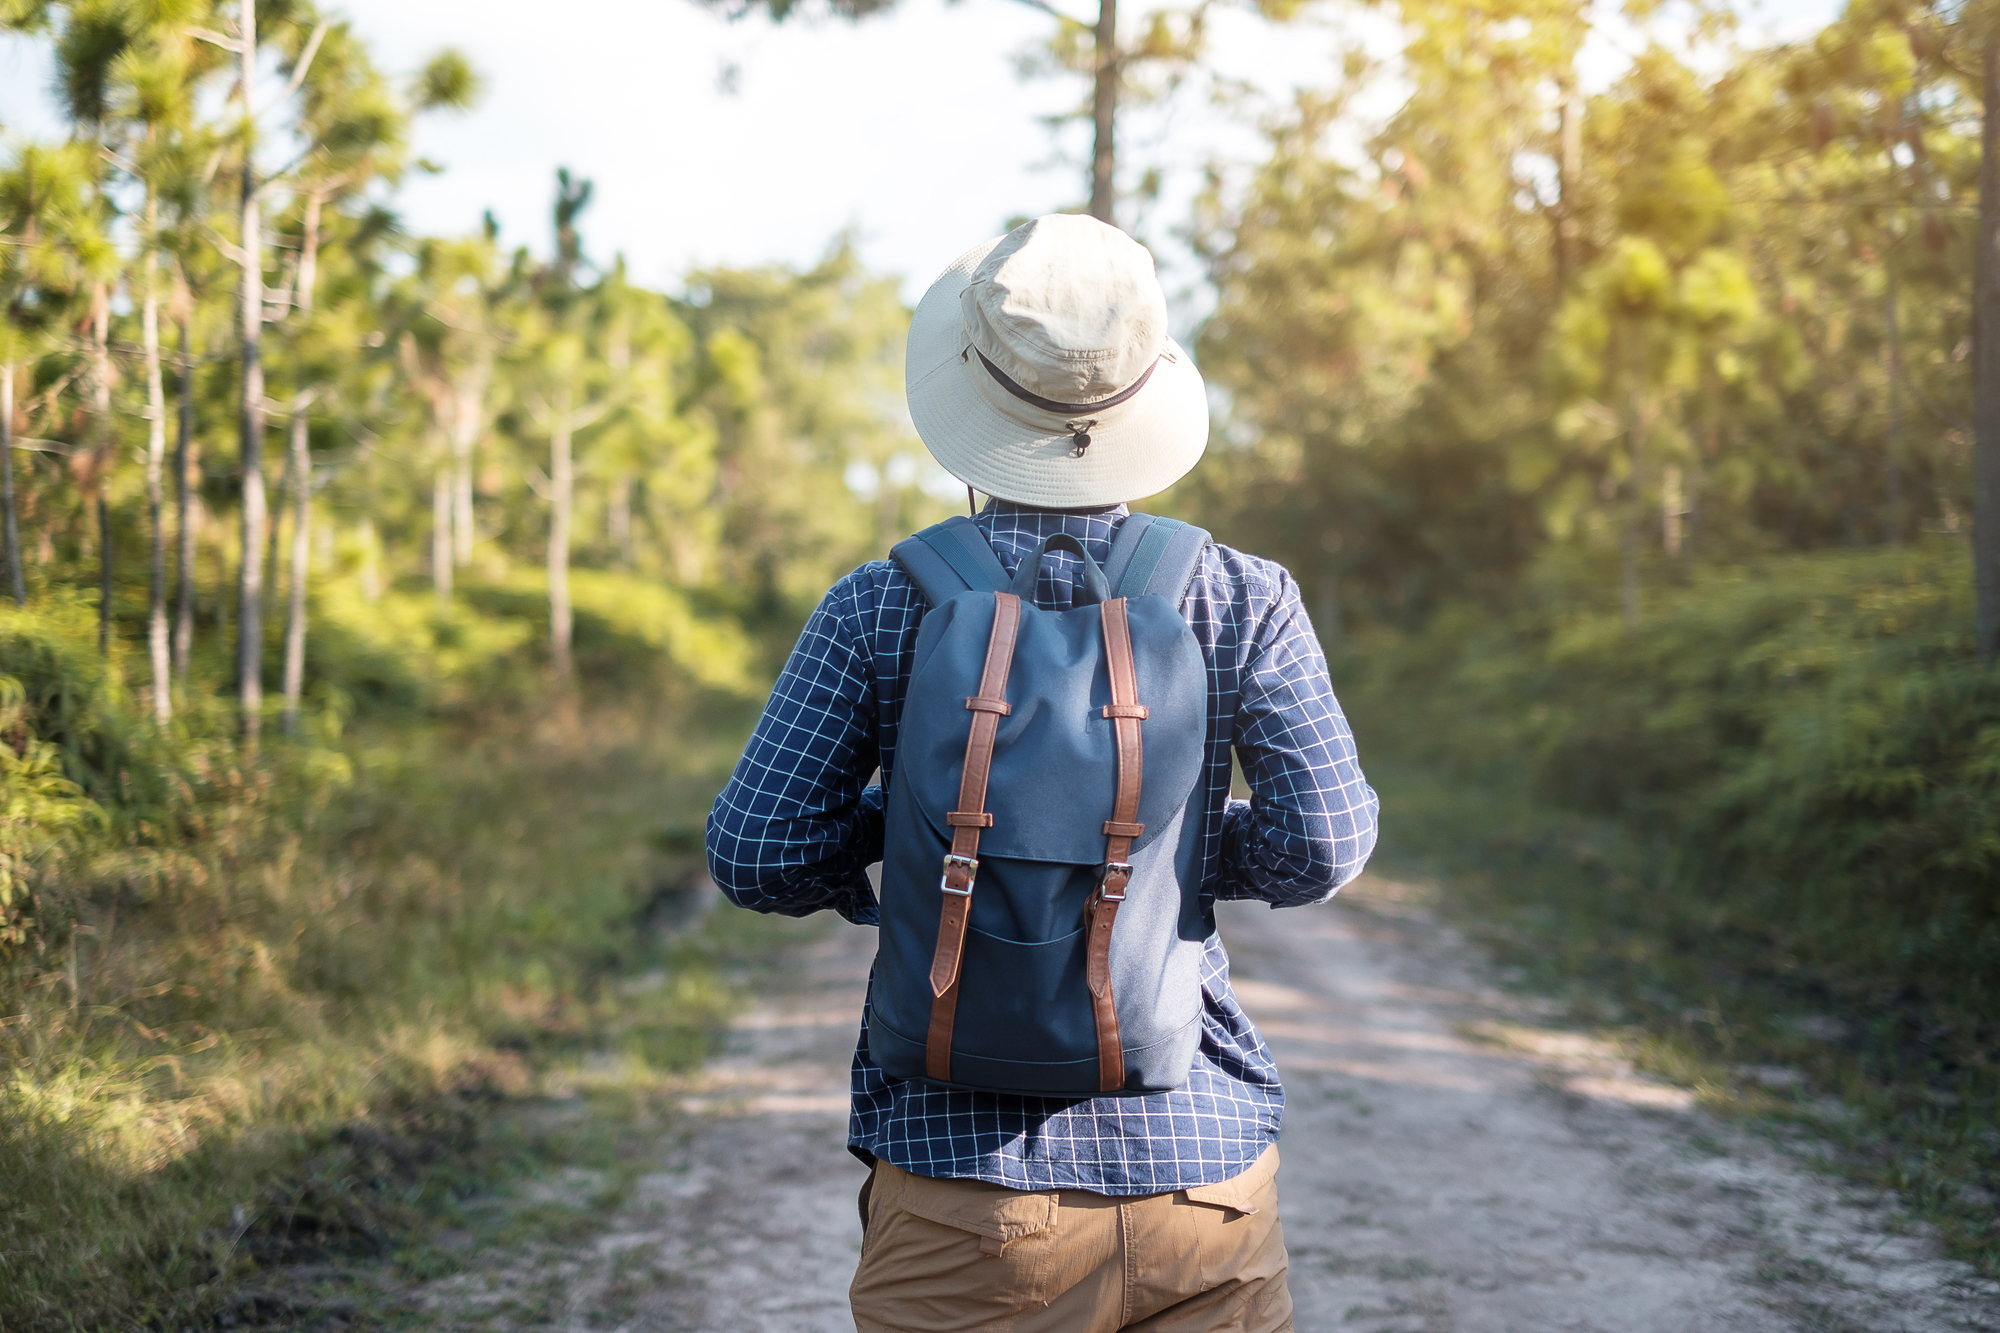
(1079, 430)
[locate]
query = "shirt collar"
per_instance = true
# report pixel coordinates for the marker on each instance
(998, 508)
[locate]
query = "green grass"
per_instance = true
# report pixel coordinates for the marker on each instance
(299, 1031)
(1595, 913)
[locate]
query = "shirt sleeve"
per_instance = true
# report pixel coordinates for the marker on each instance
(798, 825)
(1310, 822)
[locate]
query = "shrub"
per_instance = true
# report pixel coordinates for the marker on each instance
(1810, 741)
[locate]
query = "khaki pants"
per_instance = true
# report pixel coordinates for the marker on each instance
(941, 1256)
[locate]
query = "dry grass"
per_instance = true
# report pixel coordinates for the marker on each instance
(281, 1039)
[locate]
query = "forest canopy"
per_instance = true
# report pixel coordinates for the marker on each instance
(1703, 314)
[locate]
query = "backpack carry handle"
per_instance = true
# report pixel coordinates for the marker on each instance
(1094, 588)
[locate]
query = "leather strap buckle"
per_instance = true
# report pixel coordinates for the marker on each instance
(966, 865)
(1111, 881)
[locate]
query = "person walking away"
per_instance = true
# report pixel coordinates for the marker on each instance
(1070, 1123)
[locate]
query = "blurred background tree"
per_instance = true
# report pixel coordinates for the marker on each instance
(1526, 319)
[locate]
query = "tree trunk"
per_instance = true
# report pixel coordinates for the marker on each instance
(274, 532)
(103, 572)
(9, 512)
(1569, 169)
(1986, 367)
(562, 487)
(156, 456)
(618, 521)
(183, 514)
(1893, 461)
(224, 598)
(371, 568)
(1635, 481)
(250, 585)
(1104, 115)
(441, 531)
(299, 465)
(1673, 506)
(1711, 450)
(461, 508)
(101, 455)
(309, 251)
(467, 422)
(295, 626)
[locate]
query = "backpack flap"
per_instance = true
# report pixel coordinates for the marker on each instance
(1056, 757)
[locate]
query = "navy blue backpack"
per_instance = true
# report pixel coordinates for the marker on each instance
(1041, 927)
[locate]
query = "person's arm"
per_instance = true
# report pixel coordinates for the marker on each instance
(1310, 822)
(797, 826)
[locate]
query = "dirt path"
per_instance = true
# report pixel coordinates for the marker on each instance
(1450, 1163)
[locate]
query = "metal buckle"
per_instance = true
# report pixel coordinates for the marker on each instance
(970, 865)
(1123, 869)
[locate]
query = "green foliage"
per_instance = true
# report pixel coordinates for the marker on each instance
(70, 701)
(40, 808)
(1810, 740)
(282, 1043)
(800, 374)
(1705, 316)
(401, 654)
(448, 80)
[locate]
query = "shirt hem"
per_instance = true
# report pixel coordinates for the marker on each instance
(1211, 1173)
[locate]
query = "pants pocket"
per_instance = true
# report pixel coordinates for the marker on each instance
(1236, 1226)
(947, 1255)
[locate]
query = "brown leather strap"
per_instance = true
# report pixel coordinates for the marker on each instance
(1125, 712)
(962, 864)
(1102, 914)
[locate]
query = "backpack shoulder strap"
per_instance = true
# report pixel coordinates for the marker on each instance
(949, 558)
(1154, 555)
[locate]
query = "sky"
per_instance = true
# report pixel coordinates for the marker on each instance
(718, 143)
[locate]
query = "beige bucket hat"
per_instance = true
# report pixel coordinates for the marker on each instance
(1039, 370)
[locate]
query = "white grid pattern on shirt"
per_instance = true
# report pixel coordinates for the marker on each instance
(797, 826)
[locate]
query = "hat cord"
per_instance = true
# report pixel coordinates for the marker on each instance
(1079, 430)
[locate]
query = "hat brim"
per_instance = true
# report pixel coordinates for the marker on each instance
(1140, 448)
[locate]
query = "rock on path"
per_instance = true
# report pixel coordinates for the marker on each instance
(1452, 1164)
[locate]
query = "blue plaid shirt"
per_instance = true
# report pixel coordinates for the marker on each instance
(798, 825)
